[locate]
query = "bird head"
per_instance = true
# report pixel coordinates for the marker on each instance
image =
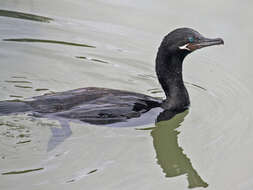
(187, 40)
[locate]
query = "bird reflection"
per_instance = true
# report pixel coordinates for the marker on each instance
(59, 134)
(169, 154)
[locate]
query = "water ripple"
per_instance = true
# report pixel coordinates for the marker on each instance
(47, 41)
(91, 59)
(25, 16)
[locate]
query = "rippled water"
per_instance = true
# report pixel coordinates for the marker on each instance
(49, 46)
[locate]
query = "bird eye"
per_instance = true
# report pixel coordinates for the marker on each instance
(191, 39)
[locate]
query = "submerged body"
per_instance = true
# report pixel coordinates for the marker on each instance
(105, 106)
(92, 105)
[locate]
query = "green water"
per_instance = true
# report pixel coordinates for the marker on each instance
(50, 46)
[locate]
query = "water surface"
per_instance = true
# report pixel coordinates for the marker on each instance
(50, 46)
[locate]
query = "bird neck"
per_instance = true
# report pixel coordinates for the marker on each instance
(169, 73)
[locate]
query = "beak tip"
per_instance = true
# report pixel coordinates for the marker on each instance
(222, 41)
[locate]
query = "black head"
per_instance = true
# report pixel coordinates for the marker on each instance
(187, 40)
(169, 60)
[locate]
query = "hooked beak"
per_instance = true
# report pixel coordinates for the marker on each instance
(205, 42)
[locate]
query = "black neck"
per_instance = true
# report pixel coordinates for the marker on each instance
(169, 73)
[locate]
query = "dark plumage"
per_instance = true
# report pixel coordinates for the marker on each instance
(104, 106)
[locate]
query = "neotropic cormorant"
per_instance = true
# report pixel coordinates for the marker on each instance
(105, 106)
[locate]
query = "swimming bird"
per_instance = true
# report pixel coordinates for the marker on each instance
(105, 106)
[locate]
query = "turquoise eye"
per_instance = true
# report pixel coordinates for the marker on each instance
(191, 39)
